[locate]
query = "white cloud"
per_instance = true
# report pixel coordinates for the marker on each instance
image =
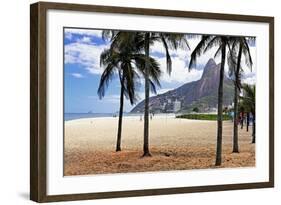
(180, 72)
(85, 54)
(68, 35)
(88, 32)
(83, 51)
(181, 58)
(249, 80)
(184, 53)
(77, 75)
(85, 39)
(180, 62)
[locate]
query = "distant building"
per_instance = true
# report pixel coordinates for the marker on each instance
(213, 110)
(164, 106)
(230, 106)
(177, 106)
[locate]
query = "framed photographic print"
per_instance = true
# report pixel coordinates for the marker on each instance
(133, 102)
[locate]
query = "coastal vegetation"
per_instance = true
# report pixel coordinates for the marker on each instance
(211, 117)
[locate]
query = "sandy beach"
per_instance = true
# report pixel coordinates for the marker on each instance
(175, 144)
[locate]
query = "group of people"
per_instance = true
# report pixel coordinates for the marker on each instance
(244, 118)
(151, 114)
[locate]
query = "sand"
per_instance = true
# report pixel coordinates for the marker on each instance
(175, 144)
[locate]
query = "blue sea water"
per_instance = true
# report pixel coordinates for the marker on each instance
(74, 116)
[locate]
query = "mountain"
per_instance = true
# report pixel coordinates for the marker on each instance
(202, 94)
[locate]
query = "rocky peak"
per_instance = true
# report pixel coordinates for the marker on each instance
(211, 63)
(209, 69)
(201, 93)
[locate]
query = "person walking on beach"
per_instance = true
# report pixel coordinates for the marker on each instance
(241, 119)
(248, 121)
(232, 116)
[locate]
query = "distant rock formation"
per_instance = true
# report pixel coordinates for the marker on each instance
(202, 94)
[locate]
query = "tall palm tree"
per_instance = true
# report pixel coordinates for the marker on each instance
(168, 40)
(248, 101)
(206, 43)
(124, 58)
(239, 47)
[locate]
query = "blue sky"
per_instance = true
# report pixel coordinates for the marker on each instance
(82, 72)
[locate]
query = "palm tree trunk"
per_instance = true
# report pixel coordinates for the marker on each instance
(254, 128)
(220, 104)
(146, 107)
(119, 132)
(235, 126)
(235, 122)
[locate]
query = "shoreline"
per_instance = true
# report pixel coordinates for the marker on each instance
(175, 144)
(162, 115)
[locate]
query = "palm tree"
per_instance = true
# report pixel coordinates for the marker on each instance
(112, 60)
(206, 43)
(123, 58)
(248, 102)
(168, 41)
(239, 47)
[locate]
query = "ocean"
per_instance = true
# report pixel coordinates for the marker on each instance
(74, 116)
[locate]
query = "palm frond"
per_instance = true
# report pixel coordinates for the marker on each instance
(198, 51)
(154, 71)
(248, 97)
(152, 87)
(168, 57)
(215, 41)
(247, 54)
(108, 34)
(129, 81)
(232, 61)
(218, 51)
(106, 77)
(176, 40)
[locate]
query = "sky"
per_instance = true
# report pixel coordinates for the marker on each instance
(82, 71)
